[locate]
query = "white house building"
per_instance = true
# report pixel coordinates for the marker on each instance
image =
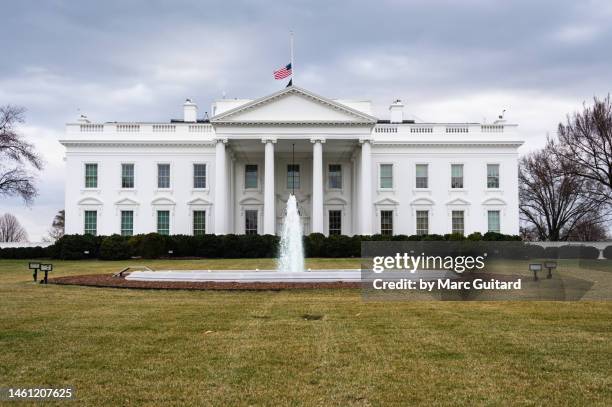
(351, 172)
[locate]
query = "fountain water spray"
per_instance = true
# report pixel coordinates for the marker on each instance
(291, 259)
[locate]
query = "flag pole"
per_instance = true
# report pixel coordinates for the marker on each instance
(292, 66)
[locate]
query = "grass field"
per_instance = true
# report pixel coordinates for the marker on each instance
(321, 347)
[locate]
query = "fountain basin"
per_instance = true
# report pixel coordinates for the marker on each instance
(249, 276)
(273, 276)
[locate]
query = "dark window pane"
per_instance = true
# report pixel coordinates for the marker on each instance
(386, 223)
(250, 176)
(199, 175)
(250, 227)
(335, 222)
(335, 176)
(293, 176)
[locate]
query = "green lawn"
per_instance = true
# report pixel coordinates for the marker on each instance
(305, 347)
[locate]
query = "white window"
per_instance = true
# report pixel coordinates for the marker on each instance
(493, 219)
(163, 175)
(91, 175)
(458, 222)
(250, 222)
(335, 222)
(199, 223)
(127, 223)
(457, 176)
(386, 176)
(422, 176)
(163, 222)
(293, 176)
(422, 223)
(91, 223)
(386, 223)
(335, 176)
(199, 176)
(127, 175)
(492, 175)
(250, 176)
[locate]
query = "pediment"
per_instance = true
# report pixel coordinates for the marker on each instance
(162, 201)
(423, 201)
(458, 201)
(250, 201)
(199, 201)
(336, 201)
(386, 201)
(494, 201)
(293, 105)
(127, 201)
(90, 200)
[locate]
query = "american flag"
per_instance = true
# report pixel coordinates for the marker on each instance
(283, 72)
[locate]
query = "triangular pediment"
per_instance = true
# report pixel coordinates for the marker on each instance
(293, 105)
(127, 201)
(386, 202)
(458, 201)
(199, 201)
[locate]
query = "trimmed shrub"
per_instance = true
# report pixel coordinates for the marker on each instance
(608, 252)
(115, 247)
(578, 252)
(77, 247)
(24, 252)
(150, 246)
(153, 245)
(476, 236)
(498, 237)
(551, 252)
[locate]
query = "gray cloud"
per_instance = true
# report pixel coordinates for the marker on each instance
(448, 60)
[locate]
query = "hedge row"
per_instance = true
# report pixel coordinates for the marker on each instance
(153, 245)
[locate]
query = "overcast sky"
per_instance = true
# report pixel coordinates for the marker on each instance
(447, 60)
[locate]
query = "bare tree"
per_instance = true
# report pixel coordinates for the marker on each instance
(588, 231)
(57, 227)
(11, 230)
(17, 156)
(552, 198)
(585, 142)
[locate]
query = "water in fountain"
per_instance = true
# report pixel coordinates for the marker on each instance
(291, 259)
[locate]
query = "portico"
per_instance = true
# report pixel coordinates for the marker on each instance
(267, 135)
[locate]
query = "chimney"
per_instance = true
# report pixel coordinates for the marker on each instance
(397, 111)
(190, 111)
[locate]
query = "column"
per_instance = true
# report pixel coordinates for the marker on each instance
(365, 206)
(269, 226)
(317, 185)
(220, 187)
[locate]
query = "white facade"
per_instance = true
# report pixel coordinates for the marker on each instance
(357, 174)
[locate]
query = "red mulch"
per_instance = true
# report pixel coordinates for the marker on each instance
(107, 280)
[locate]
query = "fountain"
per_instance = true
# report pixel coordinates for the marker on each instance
(290, 264)
(291, 254)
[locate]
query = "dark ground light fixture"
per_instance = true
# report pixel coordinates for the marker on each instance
(34, 267)
(42, 267)
(535, 267)
(550, 266)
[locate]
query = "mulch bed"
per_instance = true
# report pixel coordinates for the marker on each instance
(107, 280)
